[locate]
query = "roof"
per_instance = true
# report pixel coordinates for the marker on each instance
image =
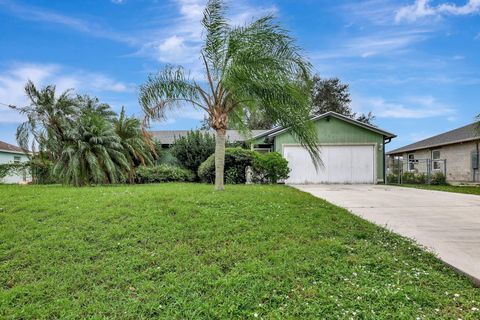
(7, 147)
(278, 130)
(467, 133)
(169, 136)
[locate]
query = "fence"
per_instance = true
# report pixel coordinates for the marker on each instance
(416, 171)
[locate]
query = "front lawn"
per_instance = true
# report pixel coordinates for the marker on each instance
(183, 251)
(448, 188)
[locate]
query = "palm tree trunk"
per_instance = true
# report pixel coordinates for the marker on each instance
(220, 159)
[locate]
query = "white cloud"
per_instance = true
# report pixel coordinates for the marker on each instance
(422, 9)
(417, 107)
(118, 1)
(180, 42)
(374, 45)
(12, 82)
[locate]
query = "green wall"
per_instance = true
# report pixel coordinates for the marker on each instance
(338, 131)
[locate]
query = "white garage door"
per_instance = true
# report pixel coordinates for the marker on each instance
(341, 164)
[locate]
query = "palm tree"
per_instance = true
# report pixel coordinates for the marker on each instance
(135, 144)
(92, 153)
(248, 68)
(48, 117)
(92, 104)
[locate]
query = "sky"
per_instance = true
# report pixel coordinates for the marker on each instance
(414, 63)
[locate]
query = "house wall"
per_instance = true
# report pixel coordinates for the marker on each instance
(458, 156)
(8, 157)
(336, 131)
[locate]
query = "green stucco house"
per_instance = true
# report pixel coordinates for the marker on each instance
(351, 151)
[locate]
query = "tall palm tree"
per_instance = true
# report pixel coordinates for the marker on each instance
(135, 144)
(92, 153)
(48, 117)
(247, 68)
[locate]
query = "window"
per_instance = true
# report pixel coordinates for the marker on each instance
(437, 164)
(411, 162)
(16, 159)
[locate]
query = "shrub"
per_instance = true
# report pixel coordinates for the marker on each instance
(408, 177)
(421, 178)
(193, 149)
(269, 167)
(236, 161)
(42, 171)
(392, 178)
(162, 173)
(438, 178)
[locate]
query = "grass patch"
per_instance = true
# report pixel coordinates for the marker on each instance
(447, 188)
(184, 251)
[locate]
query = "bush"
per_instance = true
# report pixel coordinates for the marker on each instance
(42, 172)
(392, 178)
(438, 178)
(163, 173)
(193, 149)
(236, 162)
(269, 167)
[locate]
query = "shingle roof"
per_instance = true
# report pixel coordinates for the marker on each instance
(466, 133)
(169, 136)
(10, 147)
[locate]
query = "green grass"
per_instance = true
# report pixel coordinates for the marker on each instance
(448, 188)
(182, 251)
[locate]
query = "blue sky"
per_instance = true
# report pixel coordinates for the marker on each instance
(414, 63)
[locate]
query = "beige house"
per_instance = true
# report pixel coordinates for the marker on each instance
(456, 153)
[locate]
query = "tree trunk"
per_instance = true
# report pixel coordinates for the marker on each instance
(220, 159)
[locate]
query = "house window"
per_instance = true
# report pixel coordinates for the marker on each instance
(437, 164)
(411, 162)
(16, 159)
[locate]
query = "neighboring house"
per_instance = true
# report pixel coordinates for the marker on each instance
(167, 137)
(455, 153)
(351, 151)
(13, 154)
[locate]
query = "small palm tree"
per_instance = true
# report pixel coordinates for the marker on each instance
(136, 146)
(48, 117)
(92, 153)
(248, 68)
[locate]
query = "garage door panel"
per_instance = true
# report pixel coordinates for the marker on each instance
(341, 164)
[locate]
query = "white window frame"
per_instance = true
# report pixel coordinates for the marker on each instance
(436, 160)
(17, 159)
(411, 163)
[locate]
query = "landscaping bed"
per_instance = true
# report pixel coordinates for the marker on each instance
(184, 251)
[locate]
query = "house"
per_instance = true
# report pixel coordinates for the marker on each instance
(455, 153)
(351, 151)
(167, 137)
(13, 154)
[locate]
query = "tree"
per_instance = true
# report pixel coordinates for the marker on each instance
(194, 148)
(333, 95)
(92, 153)
(48, 117)
(255, 120)
(247, 68)
(137, 147)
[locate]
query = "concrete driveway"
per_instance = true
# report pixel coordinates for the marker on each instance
(446, 223)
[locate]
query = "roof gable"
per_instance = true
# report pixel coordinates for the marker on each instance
(279, 130)
(462, 134)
